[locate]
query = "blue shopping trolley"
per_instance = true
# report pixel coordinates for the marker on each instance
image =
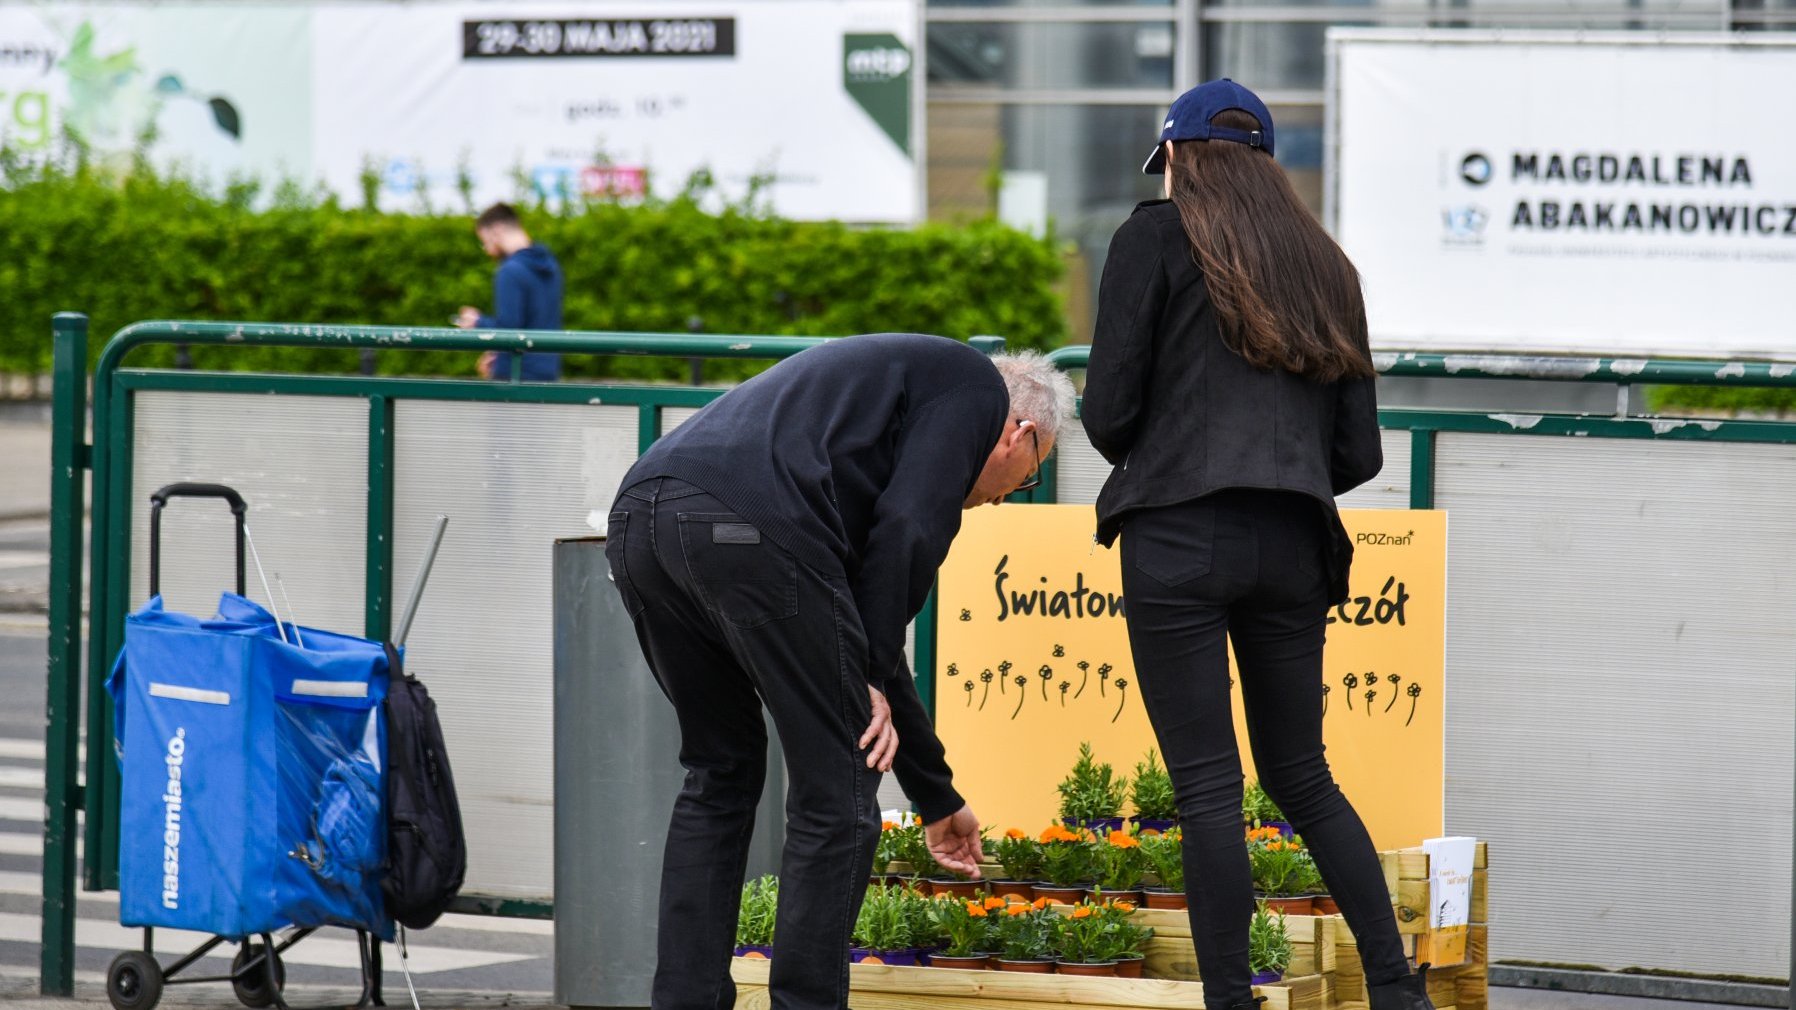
(252, 753)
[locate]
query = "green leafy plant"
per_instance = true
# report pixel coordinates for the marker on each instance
(1091, 791)
(919, 915)
(1120, 862)
(1257, 807)
(1279, 867)
(1166, 853)
(1268, 943)
(910, 847)
(1025, 933)
(1020, 855)
(1067, 856)
(129, 246)
(1153, 793)
(891, 835)
(883, 923)
(1130, 939)
(967, 925)
(757, 912)
(1083, 936)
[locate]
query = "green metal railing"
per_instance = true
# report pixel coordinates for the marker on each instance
(109, 457)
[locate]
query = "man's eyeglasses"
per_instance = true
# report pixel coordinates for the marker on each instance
(1034, 480)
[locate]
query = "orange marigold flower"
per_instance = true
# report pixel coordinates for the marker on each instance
(1016, 910)
(976, 911)
(1123, 906)
(1124, 840)
(995, 903)
(1082, 912)
(888, 826)
(1040, 903)
(1015, 833)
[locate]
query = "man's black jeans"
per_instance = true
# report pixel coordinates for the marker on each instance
(1246, 566)
(729, 620)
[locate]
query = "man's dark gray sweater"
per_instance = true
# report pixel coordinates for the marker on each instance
(856, 456)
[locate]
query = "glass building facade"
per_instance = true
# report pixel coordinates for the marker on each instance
(1043, 110)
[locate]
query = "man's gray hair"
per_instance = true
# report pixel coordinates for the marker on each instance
(1039, 392)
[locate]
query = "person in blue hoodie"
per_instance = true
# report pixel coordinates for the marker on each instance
(526, 294)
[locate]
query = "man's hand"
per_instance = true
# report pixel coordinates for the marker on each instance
(954, 842)
(484, 367)
(468, 317)
(880, 736)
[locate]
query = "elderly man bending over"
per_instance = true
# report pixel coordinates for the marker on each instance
(771, 550)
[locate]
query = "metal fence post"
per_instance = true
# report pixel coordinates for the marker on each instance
(62, 710)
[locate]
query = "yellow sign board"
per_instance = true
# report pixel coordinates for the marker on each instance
(1032, 657)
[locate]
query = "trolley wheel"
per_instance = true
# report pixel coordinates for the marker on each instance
(134, 982)
(252, 987)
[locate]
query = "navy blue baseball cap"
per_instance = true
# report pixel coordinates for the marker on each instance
(1190, 115)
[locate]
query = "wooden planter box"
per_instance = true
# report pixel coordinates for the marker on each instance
(1325, 972)
(882, 987)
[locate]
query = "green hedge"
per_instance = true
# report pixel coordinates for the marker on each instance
(137, 246)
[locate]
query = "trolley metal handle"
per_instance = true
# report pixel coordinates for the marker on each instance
(189, 490)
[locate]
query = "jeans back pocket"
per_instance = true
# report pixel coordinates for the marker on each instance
(746, 578)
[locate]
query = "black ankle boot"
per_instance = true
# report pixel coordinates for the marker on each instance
(1252, 1004)
(1407, 993)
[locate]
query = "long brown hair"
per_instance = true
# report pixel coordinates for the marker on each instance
(1286, 295)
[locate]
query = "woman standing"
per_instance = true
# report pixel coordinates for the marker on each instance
(1231, 387)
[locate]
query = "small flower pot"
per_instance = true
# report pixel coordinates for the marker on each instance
(1325, 905)
(1013, 891)
(1101, 826)
(1302, 904)
(1153, 825)
(956, 888)
(1026, 967)
(885, 880)
(1061, 895)
(1163, 898)
(1267, 978)
(1131, 965)
(1101, 969)
(908, 957)
(975, 962)
(755, 951)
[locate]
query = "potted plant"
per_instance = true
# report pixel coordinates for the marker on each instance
(1066, 863)
(1128, 940)
(1021, 858)
(925, 928)
(1091, 796)
(1166, 854)
(967, 927)
(1023, 937)
(1120, 865)
(883, 931)
(885, 852)
(755, 917)
(1268, 946)
(1279, 872)
(1258, 810)
(1082, 943)
(1156, 808)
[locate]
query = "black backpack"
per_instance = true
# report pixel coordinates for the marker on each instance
(427, 855)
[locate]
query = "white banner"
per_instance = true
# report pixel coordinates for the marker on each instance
(446, 103)
(1607, 194)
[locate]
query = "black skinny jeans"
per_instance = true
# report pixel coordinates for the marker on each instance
(1246, 566)
(730, 620)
